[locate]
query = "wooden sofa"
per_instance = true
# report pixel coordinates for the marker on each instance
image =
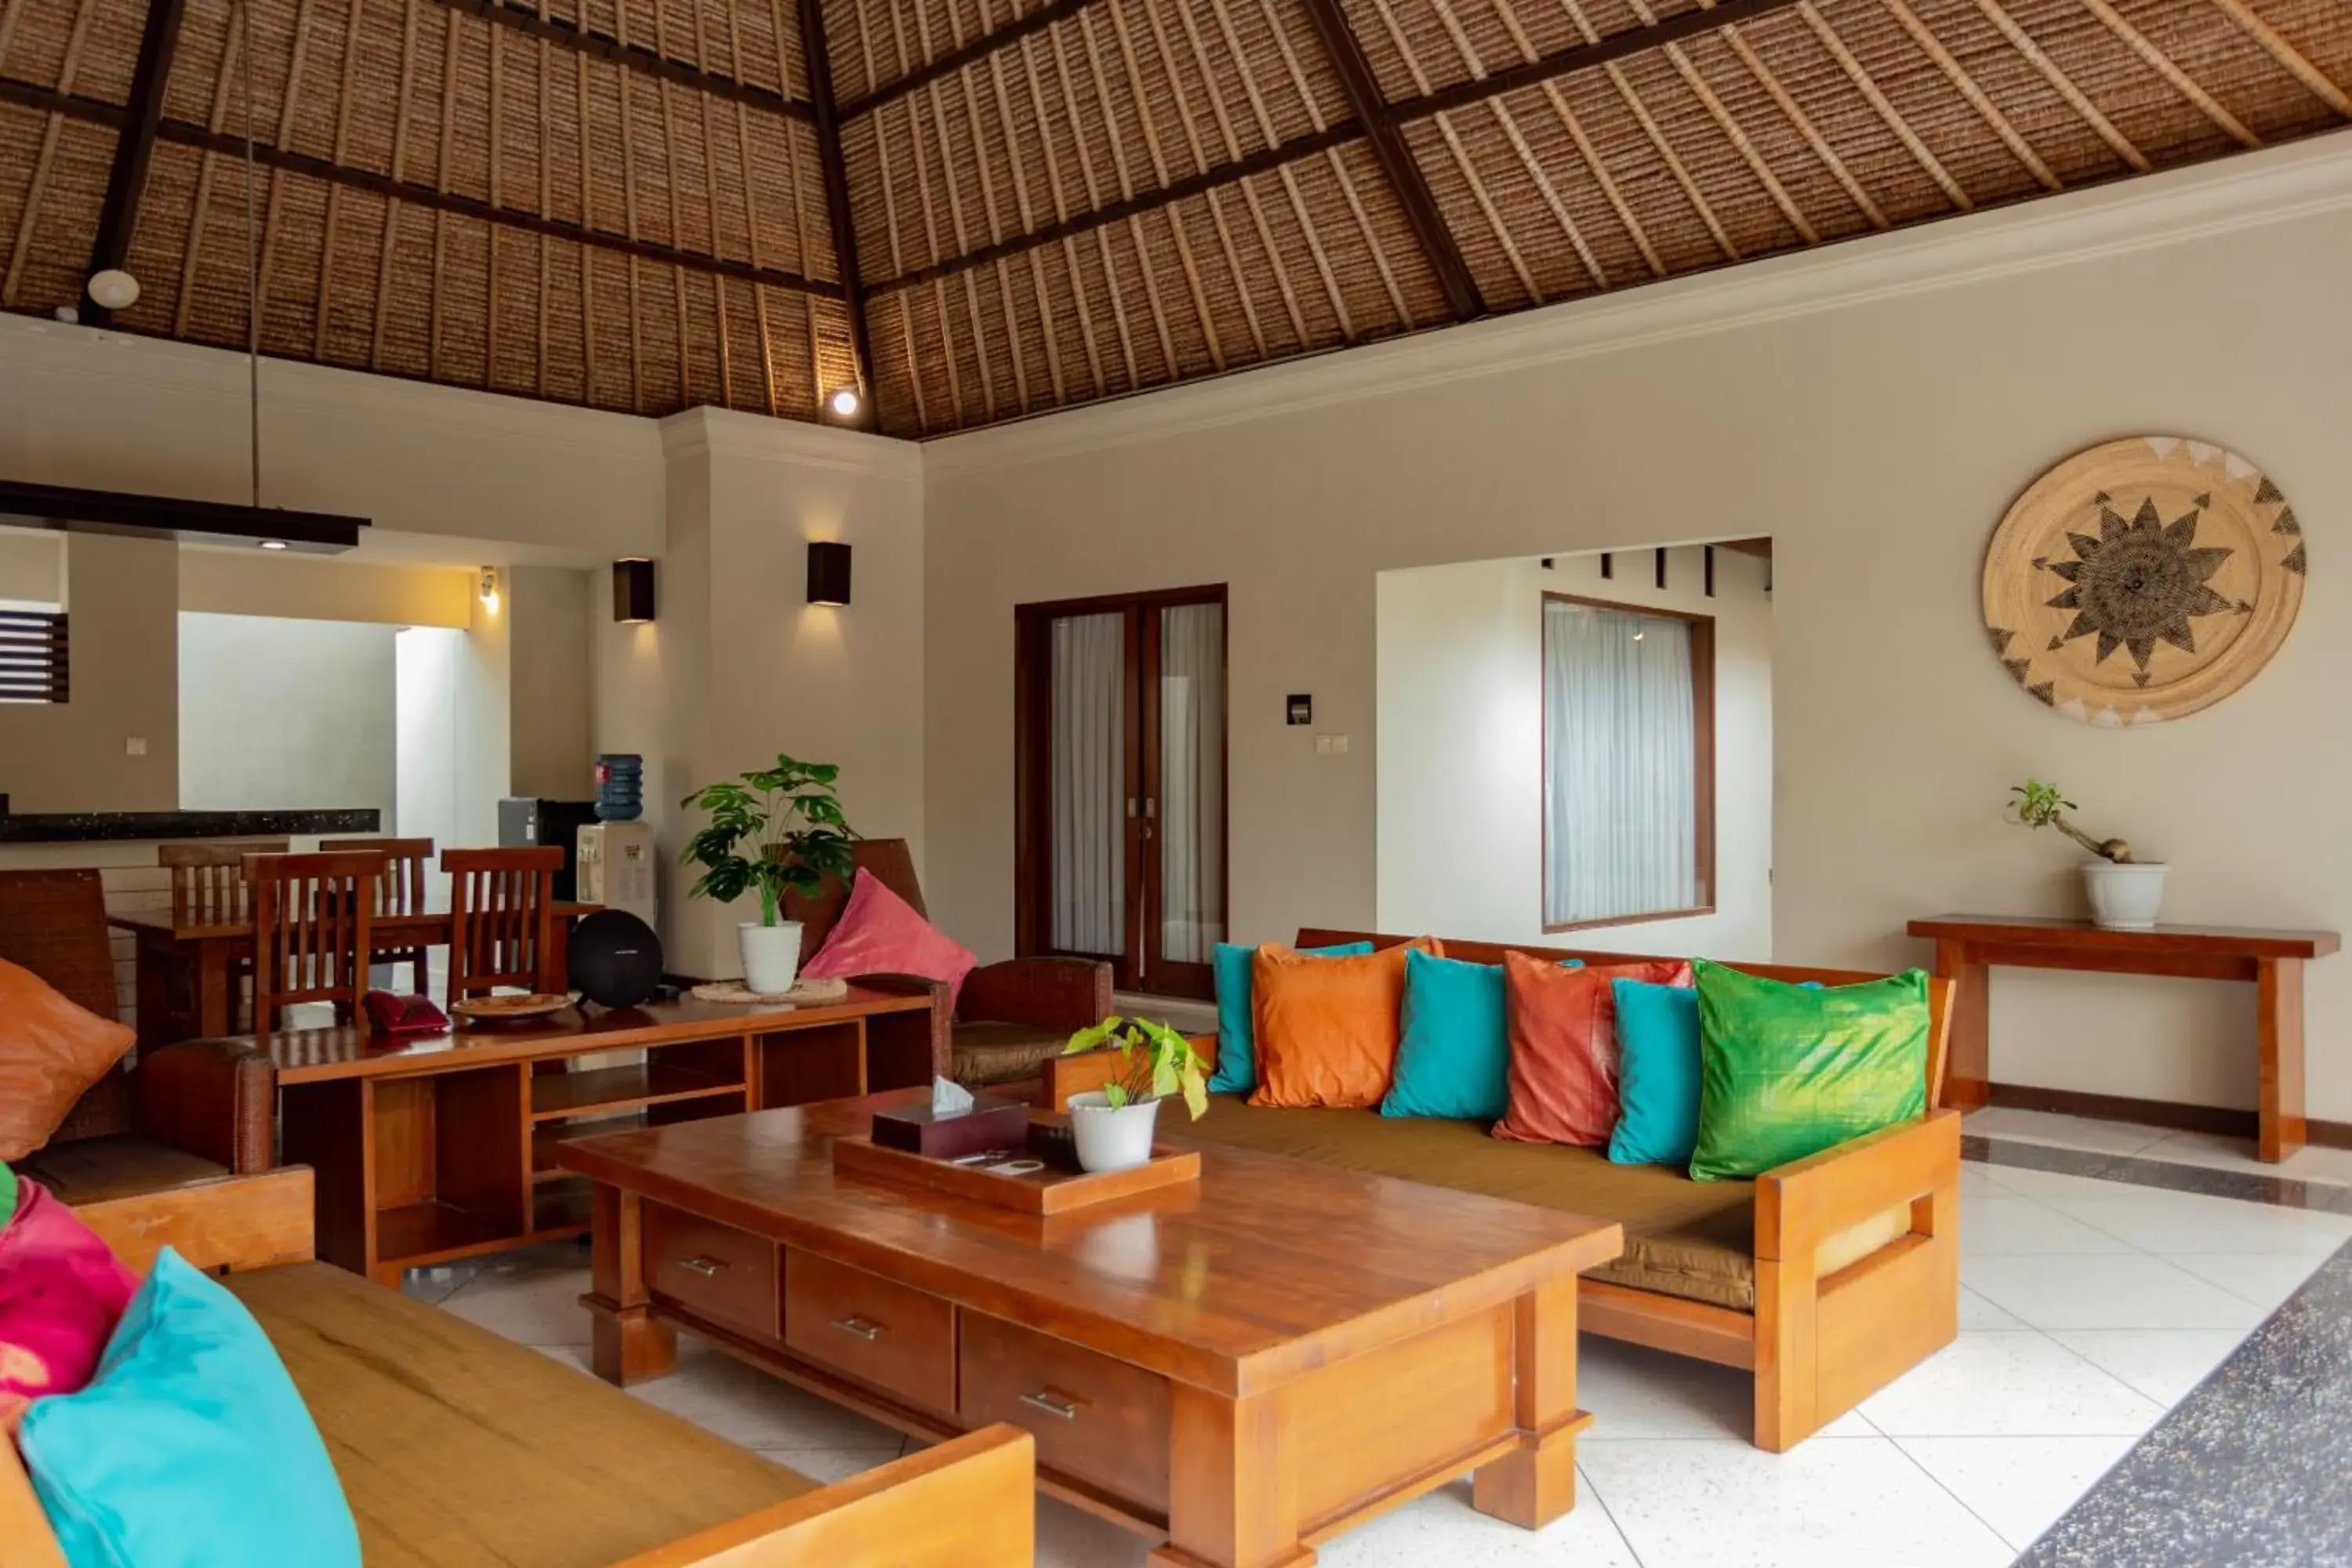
(458, 1449)
(1823, 1280)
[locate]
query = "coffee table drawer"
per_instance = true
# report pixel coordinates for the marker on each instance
(712, 1270)
(883, 1334)
(1095, 1419)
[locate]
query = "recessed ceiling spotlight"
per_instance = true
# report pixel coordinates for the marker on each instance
(114, 289)
(273, 544)
(844, 402)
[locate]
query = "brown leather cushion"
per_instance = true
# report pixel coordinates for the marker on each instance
(988, 1054)
(51, 1050)
(89, 1170)
(1693, 1239)
(458, 1449)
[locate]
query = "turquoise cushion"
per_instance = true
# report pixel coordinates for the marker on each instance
(1657, 1074)
(1236, 1034)
(1453, 1056)
(190, 1448)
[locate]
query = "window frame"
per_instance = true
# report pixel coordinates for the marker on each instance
(1703, 827)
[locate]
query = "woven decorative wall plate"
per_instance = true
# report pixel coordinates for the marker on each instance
(2143, 580)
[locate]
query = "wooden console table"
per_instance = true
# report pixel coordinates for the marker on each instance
(1969, 946)
(430, 1148)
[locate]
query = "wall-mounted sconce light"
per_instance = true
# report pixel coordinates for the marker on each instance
(828, 573)
(490, 589)
(632, 590)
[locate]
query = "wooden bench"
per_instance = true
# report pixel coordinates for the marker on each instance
(458, 1449)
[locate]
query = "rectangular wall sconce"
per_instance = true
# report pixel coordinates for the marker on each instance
(828, 573)
(632, 590)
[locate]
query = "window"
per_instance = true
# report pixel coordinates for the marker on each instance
(34, 661)
(1628, 764)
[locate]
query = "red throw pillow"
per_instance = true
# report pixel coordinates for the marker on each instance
(1562, 1026)
(880, 934)
(50, 1052)
(61, 1293)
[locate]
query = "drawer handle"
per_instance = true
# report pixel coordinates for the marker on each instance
(859, 1328)
(709, 1267)
(1052, 1404)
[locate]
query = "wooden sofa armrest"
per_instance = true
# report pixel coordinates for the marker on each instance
(968, 1503)
(215, 1099)
(233, 1222)
(1800, 1204)
(1089, 1070)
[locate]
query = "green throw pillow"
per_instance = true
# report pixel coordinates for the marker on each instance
(1789, 1071)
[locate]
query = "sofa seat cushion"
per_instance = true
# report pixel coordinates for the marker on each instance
(458, 1449)
(90, 1170)
(987, 1054)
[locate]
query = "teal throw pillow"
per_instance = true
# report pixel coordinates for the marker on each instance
(1454, 1055)
(1790, 1070)
(1657, 1074)
(189, 1446)
(1229, 965)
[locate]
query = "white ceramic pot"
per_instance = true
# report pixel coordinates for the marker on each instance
(2124, 897)
(771, 956)
(1108, 1139)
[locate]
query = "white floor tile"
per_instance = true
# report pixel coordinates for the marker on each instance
(2265, 1279)
(740, 1402)
(530, 1305)
(1977, 1182)
(2117, 1291)
(1821, 1505)
(1443, 1528)
(2024, 1181)
(1981, 1316)
(826, 1466)
(2018, 1485)
(2066, 1132)
(2163, 1364)
(435, 1286)
(2170, 1223)
(1072, 1538)
(2312, 1165)
(2008, 1384)
(2016, 1225)
(1634, 1392)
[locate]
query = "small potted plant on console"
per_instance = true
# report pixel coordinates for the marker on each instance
(1114, 1125)
(777, 828)
(2124, 892)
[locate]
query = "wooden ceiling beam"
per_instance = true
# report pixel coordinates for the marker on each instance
(126, 179)
(1585, 56)
(818, 63)
(1372, 111)
(580, 39)
(969, 52)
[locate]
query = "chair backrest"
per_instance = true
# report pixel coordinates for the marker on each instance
(501, 907)
(54, 924)
(208, 884)
(404, 860)
(887, 860)
(313, 919)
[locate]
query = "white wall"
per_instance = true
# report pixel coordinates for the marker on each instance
(32, 566)
(284, 714)
(122, 604)
(1874, 407)
(548, 693)
(1459, 769)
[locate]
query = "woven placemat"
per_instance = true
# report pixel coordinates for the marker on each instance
(806, 993)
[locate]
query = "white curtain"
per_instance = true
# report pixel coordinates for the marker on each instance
(1620, 780)
(1089, 783)
(1192, 781)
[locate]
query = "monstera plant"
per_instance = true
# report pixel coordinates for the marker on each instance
(771, 831)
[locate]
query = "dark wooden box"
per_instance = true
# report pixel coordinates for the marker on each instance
(988, 1124)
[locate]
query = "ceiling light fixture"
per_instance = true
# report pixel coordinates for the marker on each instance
(845, 402)
(114, 289)
(273, 544)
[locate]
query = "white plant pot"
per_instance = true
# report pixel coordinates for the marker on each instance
(2124, 897)
(771, 956)
(1112, 1139)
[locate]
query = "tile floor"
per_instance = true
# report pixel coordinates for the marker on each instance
(2088, 1309)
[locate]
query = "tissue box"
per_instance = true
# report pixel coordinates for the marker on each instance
(988, 1124)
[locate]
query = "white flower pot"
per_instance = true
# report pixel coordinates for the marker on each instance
(771, 956)
(2124, 897)
(1112, 1139)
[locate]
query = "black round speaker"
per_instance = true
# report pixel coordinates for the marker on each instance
(617, 958)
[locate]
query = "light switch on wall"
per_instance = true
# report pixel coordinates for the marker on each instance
(135, 746)
(1340, 745)
(1322, 745)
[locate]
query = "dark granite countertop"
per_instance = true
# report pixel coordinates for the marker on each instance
(119, 826)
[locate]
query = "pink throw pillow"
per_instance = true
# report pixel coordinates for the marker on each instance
(61, 1292)
(880, 934)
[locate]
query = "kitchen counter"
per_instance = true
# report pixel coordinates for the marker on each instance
(119, 826)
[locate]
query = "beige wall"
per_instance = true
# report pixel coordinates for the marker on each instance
(1876, 408)
(122, 597)
(1459, 752)
(548, 697)
(325, 588)
(32, 566)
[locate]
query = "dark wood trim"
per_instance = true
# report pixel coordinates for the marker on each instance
(1757, 547)
(1706, 560)
(1703, 783)
(1371, 110)
(48, 100)
(126, 180)
(583, 41)
(841, 218)
(1661, 568)
(971, 53)
(2220, 1121)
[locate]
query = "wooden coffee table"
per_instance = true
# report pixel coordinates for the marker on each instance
(1245, 1366)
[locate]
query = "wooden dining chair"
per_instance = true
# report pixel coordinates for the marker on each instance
(401, 893)
(313, 929)
(209, 886)
(501, 915)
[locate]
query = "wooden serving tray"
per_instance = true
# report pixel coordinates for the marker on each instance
(1045, 1192)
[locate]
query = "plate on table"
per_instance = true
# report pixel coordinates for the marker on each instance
(502, 1009)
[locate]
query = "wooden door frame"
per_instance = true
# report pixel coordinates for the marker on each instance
(1033, 794)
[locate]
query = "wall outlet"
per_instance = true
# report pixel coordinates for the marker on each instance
(135, 746)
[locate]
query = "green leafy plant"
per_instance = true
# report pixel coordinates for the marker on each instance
(2037, 804)
(1155, 1062)
(778, 829)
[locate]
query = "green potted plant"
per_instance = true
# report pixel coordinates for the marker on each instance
(778, 829)
(1114, 1124)
(2124, 892)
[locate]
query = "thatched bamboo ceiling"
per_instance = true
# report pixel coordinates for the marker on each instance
(982, 208)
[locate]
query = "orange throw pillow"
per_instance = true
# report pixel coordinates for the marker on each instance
(50, 1052)
(1562, 1026)
(1326, 1027)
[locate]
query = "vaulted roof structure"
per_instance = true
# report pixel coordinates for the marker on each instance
(979, 209)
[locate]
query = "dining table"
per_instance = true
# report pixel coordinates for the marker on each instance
(198, 953)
